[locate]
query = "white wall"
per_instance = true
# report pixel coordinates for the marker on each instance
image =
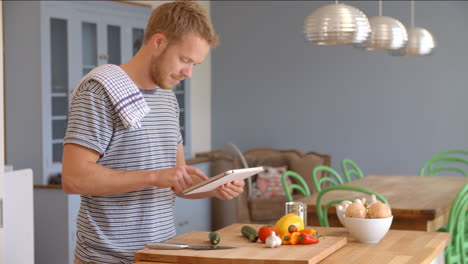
(389, 114)
(200, 100)
(2, 146)
(200, 103)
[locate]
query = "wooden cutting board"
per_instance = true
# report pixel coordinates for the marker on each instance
(246, 253)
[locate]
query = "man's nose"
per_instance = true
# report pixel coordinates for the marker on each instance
(187, 72)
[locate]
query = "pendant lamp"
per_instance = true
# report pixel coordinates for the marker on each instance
(336, 24)
(420, 41)
(387, 33)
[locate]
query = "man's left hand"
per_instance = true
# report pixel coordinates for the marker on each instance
(229, 190)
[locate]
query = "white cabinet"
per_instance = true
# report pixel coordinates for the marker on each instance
(55, 225)
(193, 214)
(56, 213)
(182, 93)
(49, 46)
(16, 218)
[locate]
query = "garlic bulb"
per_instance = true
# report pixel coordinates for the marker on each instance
(358, 201)
(343, 205)
(372, 201)
(273, 240)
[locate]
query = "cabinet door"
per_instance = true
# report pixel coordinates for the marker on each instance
(78, 37)
(58, 29)
(182, 93)
(92, 43)
(193, 214)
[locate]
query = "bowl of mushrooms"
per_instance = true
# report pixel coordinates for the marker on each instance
(366, 222)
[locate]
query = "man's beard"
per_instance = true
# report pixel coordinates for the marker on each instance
(156, 71)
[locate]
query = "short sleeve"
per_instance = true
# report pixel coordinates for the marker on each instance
(90, 119)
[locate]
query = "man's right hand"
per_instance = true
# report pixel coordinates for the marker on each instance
(179, 177)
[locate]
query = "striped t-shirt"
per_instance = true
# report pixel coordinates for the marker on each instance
(111, 228)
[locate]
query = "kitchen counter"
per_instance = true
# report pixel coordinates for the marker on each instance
(398, 246)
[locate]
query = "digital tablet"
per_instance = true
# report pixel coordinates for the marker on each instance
(220, 179)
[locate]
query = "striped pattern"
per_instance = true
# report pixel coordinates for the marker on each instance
(111, 228)
(127, 100)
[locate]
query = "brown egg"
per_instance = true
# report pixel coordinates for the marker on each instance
(356, 210)
(379, 210)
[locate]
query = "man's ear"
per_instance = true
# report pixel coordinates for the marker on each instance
(158, 41)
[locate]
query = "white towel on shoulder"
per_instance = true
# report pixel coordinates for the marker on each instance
(128, 102)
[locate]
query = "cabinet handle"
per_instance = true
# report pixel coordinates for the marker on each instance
(103, 57)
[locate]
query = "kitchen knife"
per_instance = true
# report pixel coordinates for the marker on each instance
(161, 245)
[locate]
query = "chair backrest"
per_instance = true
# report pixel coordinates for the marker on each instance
(335, 180)
(232, 150)
(446, 161)
(322, 211)
(457, 250)
(301, 185)
(349, 168)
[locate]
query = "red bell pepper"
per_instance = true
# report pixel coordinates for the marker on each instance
(292, 229)
(305, 238)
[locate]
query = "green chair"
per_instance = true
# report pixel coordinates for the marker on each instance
(446, 161)
(322, 211)
(456, 251)
(337, 180)
(349, 168)
(301, 186)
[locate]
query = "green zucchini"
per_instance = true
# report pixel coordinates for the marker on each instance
(214, 238)
(250, 233)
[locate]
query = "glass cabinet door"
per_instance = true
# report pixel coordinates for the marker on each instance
(89, 43)
(137, 39)
(180, 92)
(113, 45)
(59, 83)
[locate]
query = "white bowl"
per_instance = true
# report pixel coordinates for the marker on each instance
(367, 230)
(340, 214)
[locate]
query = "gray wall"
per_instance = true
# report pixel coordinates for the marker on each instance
(389, 114)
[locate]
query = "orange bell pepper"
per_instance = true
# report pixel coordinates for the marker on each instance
(285, 239)
(309, 231)
(294, 238)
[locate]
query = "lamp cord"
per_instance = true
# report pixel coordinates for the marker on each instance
(412, 13)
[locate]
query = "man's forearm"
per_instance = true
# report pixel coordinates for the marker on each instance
(99, 180)
(82, 175)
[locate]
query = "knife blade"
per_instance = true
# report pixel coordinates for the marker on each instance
(162, 245)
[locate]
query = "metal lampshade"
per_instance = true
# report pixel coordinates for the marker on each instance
(420, 42)
(336, 24)
(387, 33)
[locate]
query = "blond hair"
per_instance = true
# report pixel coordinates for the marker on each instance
(176, 19)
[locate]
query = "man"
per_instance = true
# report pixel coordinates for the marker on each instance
(128, 164)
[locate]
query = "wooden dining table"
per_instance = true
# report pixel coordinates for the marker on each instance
(398, 246)
(417, 202)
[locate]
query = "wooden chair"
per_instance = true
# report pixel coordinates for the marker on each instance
(457, 251)
(301, 185)
(322, 211)
(318, 178)
(445, 162)
(349, 168)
